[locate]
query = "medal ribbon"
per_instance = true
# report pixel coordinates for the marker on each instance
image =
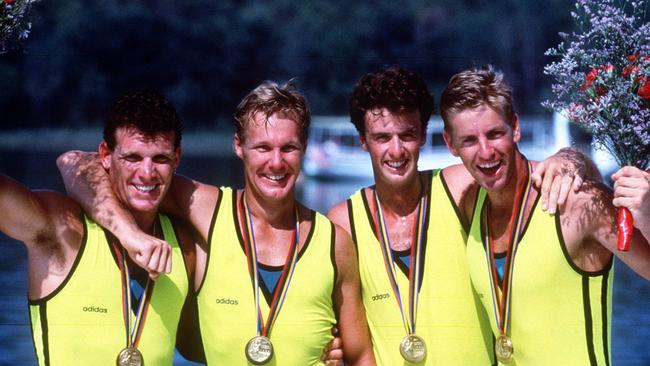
(133, 325)
(415, 265)
(282, 287)
(501, 301)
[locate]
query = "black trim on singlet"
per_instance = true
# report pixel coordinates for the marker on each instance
(73, 268)
(266, 290)
(369, 217)
(604, 308)
(353, 231)
(523, 232)
(532, 212)
(567, 257)
(589, 335)
(334, 267)
(425, 240)
(450, 197)
(208, 244)
(401, 265)
(42, 311)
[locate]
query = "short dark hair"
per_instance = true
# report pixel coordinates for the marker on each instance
(146, 110)
(393, 88)
(476, 87)
(269, 98)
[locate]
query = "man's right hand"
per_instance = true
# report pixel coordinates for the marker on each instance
(152, 254)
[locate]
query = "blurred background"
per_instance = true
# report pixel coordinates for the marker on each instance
(206, 55)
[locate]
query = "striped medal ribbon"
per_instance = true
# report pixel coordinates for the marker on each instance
(259, 350)
(501, 295)
(134, 325)
(412, 347)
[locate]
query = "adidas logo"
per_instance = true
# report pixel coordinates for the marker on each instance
(227, 301)
(94, 309)
(380, 297)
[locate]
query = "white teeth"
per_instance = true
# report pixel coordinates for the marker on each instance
(488, 165)
(145, 188)
(396, 164)
(275, 177)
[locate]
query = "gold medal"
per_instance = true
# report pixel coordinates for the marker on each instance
(504, 349)
(413, 348)
(130, 356)
(259, 350)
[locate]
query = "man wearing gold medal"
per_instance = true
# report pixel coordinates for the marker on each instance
(274, 276)
(82, 307)
(544, 280)
(410, 234)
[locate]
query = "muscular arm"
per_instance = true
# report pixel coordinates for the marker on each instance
(562, 172)
(353, 327)
(590, 232)
(24, 215)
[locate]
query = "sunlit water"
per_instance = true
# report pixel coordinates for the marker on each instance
(630, 324)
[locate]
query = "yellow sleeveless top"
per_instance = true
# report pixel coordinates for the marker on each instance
(560, 314)
(448, 317)
(226, 306)
(81, 322)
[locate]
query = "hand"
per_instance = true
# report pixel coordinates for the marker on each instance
(557, 176)
(333, 352)
(152, 254)
(632, 190)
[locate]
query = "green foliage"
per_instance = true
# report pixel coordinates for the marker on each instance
(205, 55)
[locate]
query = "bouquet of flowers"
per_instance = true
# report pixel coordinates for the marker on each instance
(14, 22)
(602, 82)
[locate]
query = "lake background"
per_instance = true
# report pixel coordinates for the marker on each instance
(29, 157)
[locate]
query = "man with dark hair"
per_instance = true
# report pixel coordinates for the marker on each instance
(274, 276)
(555, 308)
(89, 304)
(410, 235)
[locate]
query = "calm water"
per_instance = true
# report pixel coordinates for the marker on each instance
(631, 319)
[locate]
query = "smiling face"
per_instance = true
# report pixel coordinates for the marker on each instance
(393, 141)
(140, 168)
(271, 150)
(486, 144)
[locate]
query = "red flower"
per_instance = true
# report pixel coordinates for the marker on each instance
(631, 70)
(590, 78)
(644, 89)
(609, 68)
(633, 57)
(8, 1)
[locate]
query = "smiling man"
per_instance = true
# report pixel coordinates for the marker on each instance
(545, 281)
(86, 296)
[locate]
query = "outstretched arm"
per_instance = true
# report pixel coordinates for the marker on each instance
(87, 182)
(632, 190)
(353, 327)
(24, 214)
(563, 172)
(590, 231)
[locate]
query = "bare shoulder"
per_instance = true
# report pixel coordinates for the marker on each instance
(339, 215)
(344, 252)
(463, 188)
